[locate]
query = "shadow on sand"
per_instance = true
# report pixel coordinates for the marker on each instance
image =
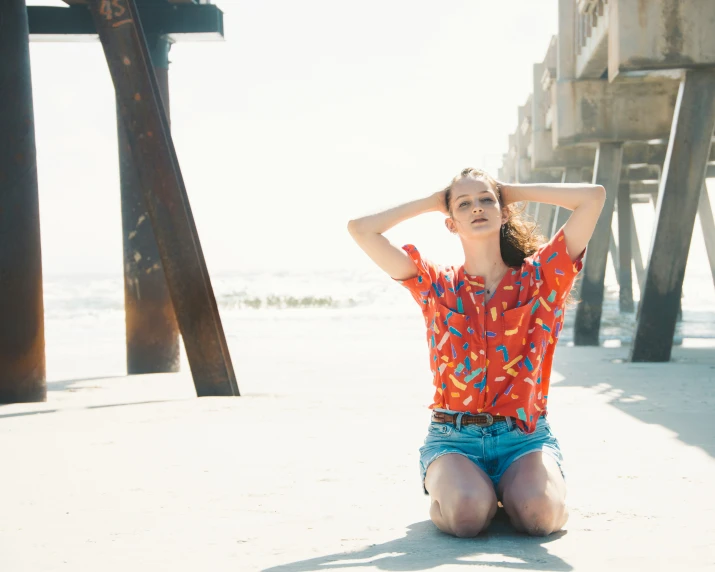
(44, 411)
(678, 395)
(424, 547)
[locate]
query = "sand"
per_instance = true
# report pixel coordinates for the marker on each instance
(315, 467)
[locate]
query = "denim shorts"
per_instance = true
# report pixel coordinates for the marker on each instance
(491, 448)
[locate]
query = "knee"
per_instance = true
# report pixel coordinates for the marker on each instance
(468, 514)
(540, 516)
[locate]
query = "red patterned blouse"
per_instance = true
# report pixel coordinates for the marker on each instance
(495, 356)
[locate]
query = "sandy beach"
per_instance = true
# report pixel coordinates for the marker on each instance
(282, 126)
(313, 468)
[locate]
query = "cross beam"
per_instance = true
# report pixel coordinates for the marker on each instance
(178, 22)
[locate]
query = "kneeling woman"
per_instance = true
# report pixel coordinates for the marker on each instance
(492, 326)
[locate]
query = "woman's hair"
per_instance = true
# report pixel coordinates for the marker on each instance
(518, 237)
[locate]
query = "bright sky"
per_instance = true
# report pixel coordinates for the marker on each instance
(308, 114)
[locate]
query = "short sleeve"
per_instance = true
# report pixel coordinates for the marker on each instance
(553, 265)
(421, 285)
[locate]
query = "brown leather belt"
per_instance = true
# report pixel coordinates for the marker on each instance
(480, 419)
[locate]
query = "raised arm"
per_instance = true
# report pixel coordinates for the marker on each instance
(367, 232)
(585, 200)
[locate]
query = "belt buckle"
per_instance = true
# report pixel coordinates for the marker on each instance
(488, 419)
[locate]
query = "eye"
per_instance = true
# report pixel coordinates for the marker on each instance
(488, 200)
(463, 203)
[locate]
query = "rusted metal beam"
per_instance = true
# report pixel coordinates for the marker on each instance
(165, 196)
(152, 332)
(22, 334)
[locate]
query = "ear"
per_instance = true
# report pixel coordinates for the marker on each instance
(449, 223)
(504, 215)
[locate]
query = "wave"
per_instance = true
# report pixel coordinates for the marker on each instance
(241, 300)
(87, 298)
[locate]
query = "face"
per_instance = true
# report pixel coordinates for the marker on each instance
(475, 208)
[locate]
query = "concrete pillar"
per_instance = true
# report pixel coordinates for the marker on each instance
(561, 215)
(654, 202)
(530, 210)
(625, 278)
(705, 213)
(22, 331)
(571, 175)
(607, 171)
(544, 217)
(636, 250)
(152, 332)
(613, 251)
(678, 198)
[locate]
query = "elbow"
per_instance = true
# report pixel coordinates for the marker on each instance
(360, 227)
(355, 227)
(595, 194)
(600, 193)
(352, 227)
(592, 196)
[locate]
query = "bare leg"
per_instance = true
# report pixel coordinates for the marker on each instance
(534, 494)
(463, 498)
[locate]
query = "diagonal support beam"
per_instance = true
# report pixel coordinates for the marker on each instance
(607, 173)
(157, 168)
(678, 198)
(571, 175)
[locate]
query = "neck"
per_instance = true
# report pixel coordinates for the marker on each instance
(483, 258)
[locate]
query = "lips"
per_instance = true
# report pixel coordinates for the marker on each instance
(479, 219)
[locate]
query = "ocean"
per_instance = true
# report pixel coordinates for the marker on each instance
(84, 314)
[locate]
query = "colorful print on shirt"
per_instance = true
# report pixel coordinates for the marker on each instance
(495, 356)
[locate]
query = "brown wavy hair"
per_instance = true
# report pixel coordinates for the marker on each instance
(518, 237)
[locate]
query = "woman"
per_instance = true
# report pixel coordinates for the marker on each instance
(492, 325)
